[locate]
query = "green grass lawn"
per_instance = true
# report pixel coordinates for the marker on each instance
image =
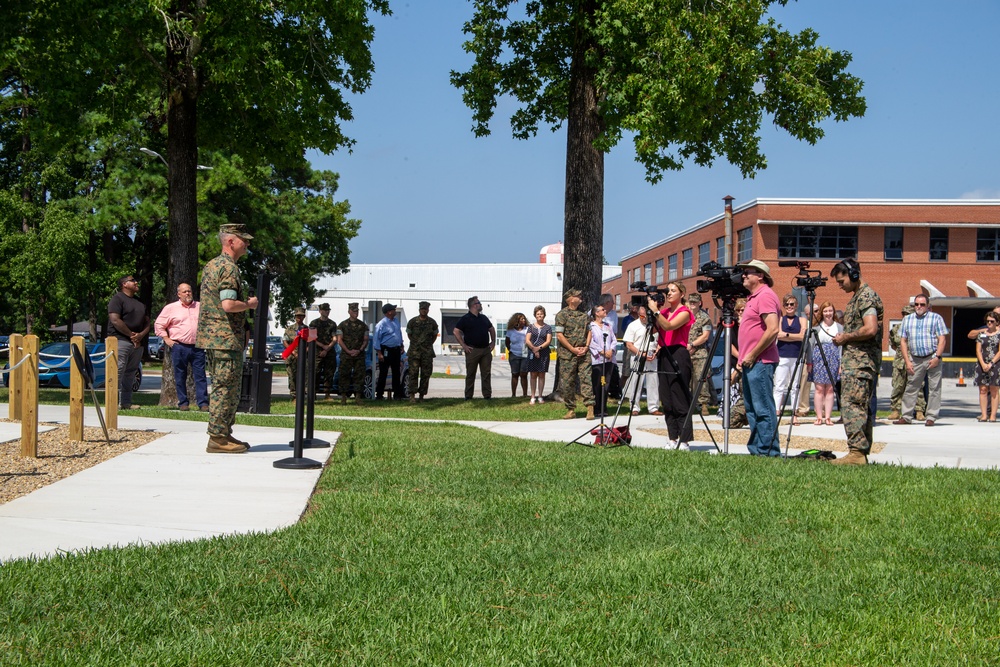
(442, 544)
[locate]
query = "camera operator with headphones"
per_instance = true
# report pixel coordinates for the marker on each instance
(861, 359)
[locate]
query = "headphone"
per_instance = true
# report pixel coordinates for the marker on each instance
(853, 269)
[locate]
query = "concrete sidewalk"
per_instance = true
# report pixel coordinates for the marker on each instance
(167, 490)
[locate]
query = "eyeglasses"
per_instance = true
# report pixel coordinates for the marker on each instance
(476, 303)
(920, 305)
(750, 272)
(791, 303)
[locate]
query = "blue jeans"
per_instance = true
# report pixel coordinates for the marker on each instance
(758, 397)
(181, 355)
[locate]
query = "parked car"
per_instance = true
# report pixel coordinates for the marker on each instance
(274, 348)
(54, 366)
(4, 344)
(156, 348)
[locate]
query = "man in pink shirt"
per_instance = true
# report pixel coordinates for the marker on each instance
(177, 324)
(759, 357)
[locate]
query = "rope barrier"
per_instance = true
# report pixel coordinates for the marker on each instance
(27, 355)
(93, 357)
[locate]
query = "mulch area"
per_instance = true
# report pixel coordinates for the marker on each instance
(60, 457)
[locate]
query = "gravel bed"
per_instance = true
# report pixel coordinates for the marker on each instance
(60, 457)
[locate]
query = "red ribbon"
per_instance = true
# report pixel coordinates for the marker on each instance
(301, 334)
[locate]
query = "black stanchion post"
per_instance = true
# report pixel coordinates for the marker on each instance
(297, 461)
(310, 441)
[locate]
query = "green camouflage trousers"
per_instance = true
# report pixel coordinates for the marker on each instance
(856, 389)
(574, 377)
(326, 367)
(352, 372)
(697, 368)
(899, 379)
(226, 369)
(421, 367)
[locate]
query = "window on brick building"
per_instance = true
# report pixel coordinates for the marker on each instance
(672, 267)
(744, 245)
(988, 245)
(720, 250)
(704, 254)
(817, 241)
(938, 250)
(659, 271)
(893, 244)
(687, 258)
(647, 273)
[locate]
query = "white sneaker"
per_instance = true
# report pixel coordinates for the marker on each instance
(541, 400)
(685, 447)
(671, 444)
(532, 401)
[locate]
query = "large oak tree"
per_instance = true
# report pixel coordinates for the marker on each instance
(687, 80)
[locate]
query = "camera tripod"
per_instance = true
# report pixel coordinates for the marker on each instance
(794, 382)
(723, 332)
(605, 435)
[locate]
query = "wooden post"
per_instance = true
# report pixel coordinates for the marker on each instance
(29, 409)
(111, 382)
(16, 378)
(76, 388)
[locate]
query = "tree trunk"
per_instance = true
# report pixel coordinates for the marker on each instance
(583, 245)
(182, 160)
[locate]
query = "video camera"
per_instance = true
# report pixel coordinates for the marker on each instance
(809, 280)
(652, 292)
(724, 282)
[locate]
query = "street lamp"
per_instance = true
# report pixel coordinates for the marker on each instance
(152, 153)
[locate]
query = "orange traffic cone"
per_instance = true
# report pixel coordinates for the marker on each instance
(961, 378)
(447, 369)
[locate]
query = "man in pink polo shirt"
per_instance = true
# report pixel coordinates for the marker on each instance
(178, 325)
(759, 357)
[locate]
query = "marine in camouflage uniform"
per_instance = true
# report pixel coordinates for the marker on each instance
(574, 369)
(223, 336)
(292, 363)
(699, 353)
(860, 363)
(422, 332)
(352, 336)
(899, 376)
(326, 349)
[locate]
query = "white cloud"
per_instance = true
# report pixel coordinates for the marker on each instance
(982, 193)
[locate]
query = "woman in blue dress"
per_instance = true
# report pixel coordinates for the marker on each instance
(825, 376)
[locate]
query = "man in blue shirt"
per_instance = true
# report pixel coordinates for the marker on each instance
(923, 338)
(388, 344)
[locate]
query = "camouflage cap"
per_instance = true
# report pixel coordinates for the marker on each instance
(909, 310)
(694, 298)
(324, 306)
(300, 311)
(424, 304)
(236, 230)
(352, 306)
(571, 292)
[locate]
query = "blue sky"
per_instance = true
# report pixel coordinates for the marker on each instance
(428, 191)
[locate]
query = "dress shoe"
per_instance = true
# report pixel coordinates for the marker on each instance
(929, 422)
(902, 421)
(220, 444)
(204, 408)
(853, 458)
(183, 408)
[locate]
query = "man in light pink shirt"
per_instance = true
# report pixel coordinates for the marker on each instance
(759, 357)
(177, 324)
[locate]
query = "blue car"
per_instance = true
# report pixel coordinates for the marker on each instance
(54, 366)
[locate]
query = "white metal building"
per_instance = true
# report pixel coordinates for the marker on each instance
(503, 289)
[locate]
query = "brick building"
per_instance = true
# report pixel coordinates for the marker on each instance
(948, 250)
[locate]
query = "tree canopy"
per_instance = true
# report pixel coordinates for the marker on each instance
(687, 80)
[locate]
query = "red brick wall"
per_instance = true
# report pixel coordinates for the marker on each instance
(895, 281)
